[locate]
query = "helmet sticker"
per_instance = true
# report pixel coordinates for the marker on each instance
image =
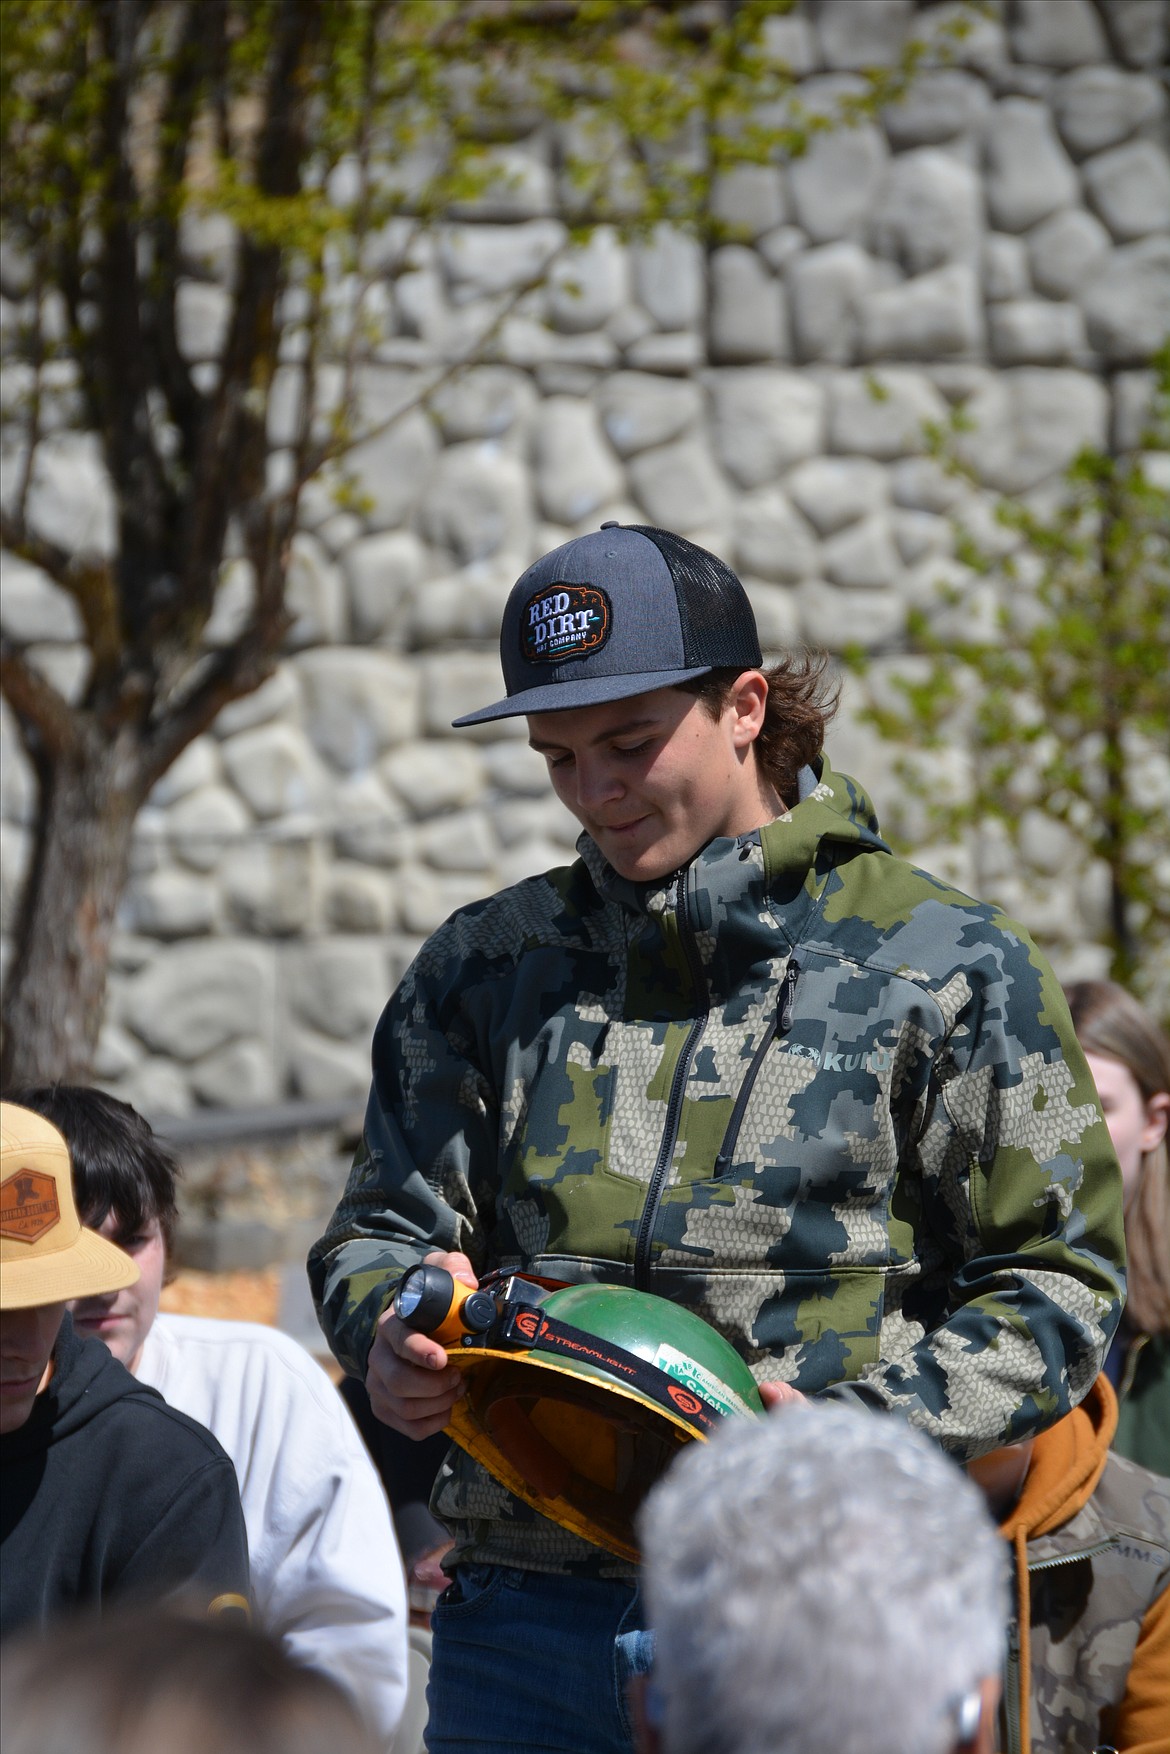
(695, 1377)
(569, 621)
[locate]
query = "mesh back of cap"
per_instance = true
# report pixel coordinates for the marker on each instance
(718, 627)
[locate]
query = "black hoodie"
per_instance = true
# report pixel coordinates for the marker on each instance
(105, 1491)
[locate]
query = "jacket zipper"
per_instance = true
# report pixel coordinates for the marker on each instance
(1011, 1688)
(778, 1024)
(675, 1100)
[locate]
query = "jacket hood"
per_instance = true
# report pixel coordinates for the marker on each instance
(86, 1379)
(833, 816)
(1067, 1462)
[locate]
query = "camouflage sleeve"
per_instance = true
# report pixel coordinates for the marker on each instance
(1021, 1187)
(431, 1116)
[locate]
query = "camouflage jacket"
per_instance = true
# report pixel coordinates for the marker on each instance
(816, 1095)
(1093, 1582)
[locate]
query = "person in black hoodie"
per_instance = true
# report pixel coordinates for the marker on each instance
(105, 1491)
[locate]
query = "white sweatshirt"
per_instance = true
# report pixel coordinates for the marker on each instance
(326, 1571)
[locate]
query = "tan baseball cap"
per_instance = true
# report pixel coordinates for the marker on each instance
(46, 1254)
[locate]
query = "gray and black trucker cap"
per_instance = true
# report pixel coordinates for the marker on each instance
(618, 612)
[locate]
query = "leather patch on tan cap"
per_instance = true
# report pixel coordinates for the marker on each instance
(28, 1205)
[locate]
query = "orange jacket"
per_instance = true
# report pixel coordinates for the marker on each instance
(1089, 1658)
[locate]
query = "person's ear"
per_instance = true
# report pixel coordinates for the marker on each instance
(646, 1737)
(1157, 1121)
(749, 699)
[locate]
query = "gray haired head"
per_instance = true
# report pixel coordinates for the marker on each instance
(824, 1581)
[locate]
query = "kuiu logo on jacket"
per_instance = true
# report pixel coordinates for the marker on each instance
(878, 1058)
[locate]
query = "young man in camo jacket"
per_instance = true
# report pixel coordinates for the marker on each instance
(738, 1055)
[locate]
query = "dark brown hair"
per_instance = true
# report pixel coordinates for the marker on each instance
(802, 699)
(1109, 1021)
(119, 1163)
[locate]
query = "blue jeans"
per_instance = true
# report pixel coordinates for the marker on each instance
(524, 1660)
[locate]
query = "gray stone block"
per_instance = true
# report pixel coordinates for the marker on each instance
(1005, 264)
(938, 105)
(483, 402)
(32, 607)
(356, 899)
(464, 605)
(271, 888)
(1130, 188)
(240, 1075)
(461, 682)
(862, 556)
(870, 35)
(835, 491)
(1028, 172)
(1098, 107)
(233, 605)
(228, 1245)
(588, 283)
(640, 410)
(676, 353)
(70, 500)
(1034, 331)
(575, 470)
(338, 985)
(764, 420)
(882, 413)
(669, 278)
(679, 486)
(194, 998)
(934, 315)
(202, 314)
(357, 703)
(1127, 302)
(314, 596)
(277, 698)
(437, 777)
(835, 184)
(383, 573)
(1133, 404)
(779, 247)
(1141, 29)
(426, 898)
(826, 290)
(520, 186)
(480, 260)
(833, 619)
(196, 765)
(789, 39)
(459, 840)
(749, 200)
(921, 484)
(477, 504)
(369, 825)
(772, 540)
(1057, 33)
(929, 212)
(169, 904)
(1027, 425)
(391, 468)
(747, 320)
(274, 770)
(921, 534)
(1065, 251)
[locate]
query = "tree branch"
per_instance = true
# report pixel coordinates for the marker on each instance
(38, 707)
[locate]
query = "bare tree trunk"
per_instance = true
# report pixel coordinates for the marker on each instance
(55, 992)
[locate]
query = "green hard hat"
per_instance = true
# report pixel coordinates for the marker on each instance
(576, 1436)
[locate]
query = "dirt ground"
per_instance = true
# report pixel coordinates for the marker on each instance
(236, 1297)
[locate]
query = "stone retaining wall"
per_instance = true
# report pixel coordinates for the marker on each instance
(1002, 238)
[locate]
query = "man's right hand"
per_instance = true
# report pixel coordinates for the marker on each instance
(411, 1386)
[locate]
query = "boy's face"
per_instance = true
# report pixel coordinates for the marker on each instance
(654, 778)
(124, 1318)
(27, 1338)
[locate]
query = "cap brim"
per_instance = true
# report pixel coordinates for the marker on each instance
(556, 697)
(89, 1267)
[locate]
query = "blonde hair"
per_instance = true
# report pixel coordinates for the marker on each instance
(1109, 1021)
